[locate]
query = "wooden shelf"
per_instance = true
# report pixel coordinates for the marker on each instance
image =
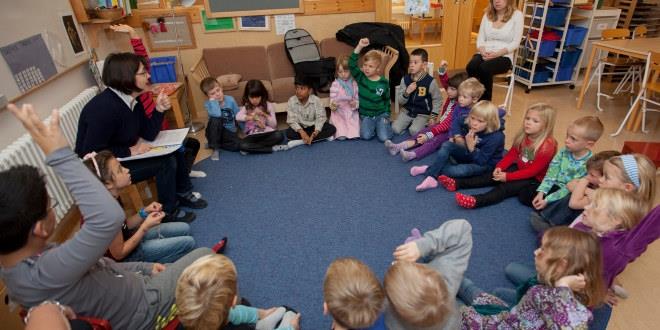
(575, 17)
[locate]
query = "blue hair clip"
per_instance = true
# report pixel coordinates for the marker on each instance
(630, 165)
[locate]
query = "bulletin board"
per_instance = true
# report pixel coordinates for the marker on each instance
(179, 33)
(51, 30)
(233, 8)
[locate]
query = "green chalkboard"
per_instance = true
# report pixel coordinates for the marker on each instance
(234, 8)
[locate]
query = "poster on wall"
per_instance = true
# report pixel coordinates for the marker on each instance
(284, 23)
(29, 61)
(72, 33)
(254, 23)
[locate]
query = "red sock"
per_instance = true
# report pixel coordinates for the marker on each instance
(220, 246)
(466, 201)
(447, 182)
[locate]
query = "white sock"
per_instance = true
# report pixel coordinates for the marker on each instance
(215, 155)
(197, 174)
(287, 318)
(295, 143)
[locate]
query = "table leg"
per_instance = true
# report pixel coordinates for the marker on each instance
(585, 79)
(422, 28)
(176, 109)
(410, 27)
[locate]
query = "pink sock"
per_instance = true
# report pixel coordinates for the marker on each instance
(415, 234)
(408, 155)
(428, 183)
(417, 170)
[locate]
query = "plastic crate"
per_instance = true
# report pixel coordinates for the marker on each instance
(575, 35)
(561, 1)
(570, 57)
(547, 47)
(540, 76)
(564, 74)
(163, 69)
(556, 16)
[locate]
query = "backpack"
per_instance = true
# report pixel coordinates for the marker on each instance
(304, 54)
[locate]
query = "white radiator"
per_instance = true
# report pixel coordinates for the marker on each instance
(25, 151)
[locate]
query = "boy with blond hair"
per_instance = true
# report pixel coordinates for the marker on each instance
(423, 296)
(207, 294)
(352, 295)
(469, 93)
(374, 93)
(569, 163)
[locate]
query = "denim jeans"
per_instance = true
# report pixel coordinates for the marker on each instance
(468, 291)
(454, 160)
(518, 273)
(379, 125)
(165, 243)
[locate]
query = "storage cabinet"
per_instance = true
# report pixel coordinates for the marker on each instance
(602, 19)
(553, 43)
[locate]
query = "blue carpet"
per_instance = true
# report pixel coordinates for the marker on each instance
(289, 214)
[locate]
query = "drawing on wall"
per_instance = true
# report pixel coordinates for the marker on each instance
(72, 33)
(29, 61)
(254, 23)
(416, 7)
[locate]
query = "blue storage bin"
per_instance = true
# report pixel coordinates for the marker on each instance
(556, 15)
(561, 1)
(570, 57)
(540, 76)
(547, 47)
(163, 69)
(564, 74)
(575, 35)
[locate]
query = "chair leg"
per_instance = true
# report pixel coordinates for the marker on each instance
(621, 87)
(509, 95)
(625, 119)
(644, 105)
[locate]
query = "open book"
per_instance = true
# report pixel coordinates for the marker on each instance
(165, 143)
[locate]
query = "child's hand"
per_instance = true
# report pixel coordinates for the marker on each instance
(154, 207)
(139, 148)
(589, 193)
(333, 105)
(498, 175)
(125, 29)
(364, 42)
(49, 136)
(295, 322)
(442, 69)
(611, 298)
(157, 268)
(471, 140)
(411, 88)
(163, 102)
(407, 252)
(539, 202)
(153, 219)
(421, 138)
(574, 282)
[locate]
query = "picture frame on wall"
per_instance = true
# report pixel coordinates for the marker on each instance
(159, 39)
(213, 25)
(254, 23)
(72, 33)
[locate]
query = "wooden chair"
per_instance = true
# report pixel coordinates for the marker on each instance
(650, 87)
(507, 80)
(610, 61)
(390, 56)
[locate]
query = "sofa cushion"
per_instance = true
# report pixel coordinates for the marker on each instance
(330, 47)
(283, 89)
(248, 61)
(278, 61)
(229, 81)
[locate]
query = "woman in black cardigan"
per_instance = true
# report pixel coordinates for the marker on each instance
(115, 120)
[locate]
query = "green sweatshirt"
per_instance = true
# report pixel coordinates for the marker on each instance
(374, 95)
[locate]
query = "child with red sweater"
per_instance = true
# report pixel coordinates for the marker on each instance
(527, 162)
(431, 138)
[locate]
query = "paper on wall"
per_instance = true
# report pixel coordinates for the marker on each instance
(284, 23)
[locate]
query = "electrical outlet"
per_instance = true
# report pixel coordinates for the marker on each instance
(3, 101)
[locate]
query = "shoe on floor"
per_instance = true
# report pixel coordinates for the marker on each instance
(180, 216)
(197, 174)
(219, 247)
(280, 147)
(192, 201)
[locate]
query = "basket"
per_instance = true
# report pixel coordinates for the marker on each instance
(556, 15)
(570, 57)
(110, 13)
(163, 69)
(565, 74)
(575, 35)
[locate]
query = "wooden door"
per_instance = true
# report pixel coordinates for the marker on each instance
(471, 12)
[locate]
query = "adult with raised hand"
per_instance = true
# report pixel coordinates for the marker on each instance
(131, 295)
(115, 120)
(499, 36)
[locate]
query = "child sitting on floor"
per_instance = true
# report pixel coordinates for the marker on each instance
(569, 163)
(306, 116)
(526, 162)
(419, 95)
(142, 236)
(260, 124)
(374, 91)
(207, 294)
(569, 283)
(568, 208)
(352, 295)
(474, 152)
(344, 102)
(423, 295)
(429, 139)
(222, 109)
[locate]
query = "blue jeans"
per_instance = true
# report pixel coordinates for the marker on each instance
(379, 125)
(468, 291)
(454, 160)
(518, 273)
(165, 243)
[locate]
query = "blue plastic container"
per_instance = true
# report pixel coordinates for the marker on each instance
(556, 15)
(561, 1)
(575, 35)
(570, 57)
(540, 76)
(564, 74)
(547, 47)
(163, 69)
